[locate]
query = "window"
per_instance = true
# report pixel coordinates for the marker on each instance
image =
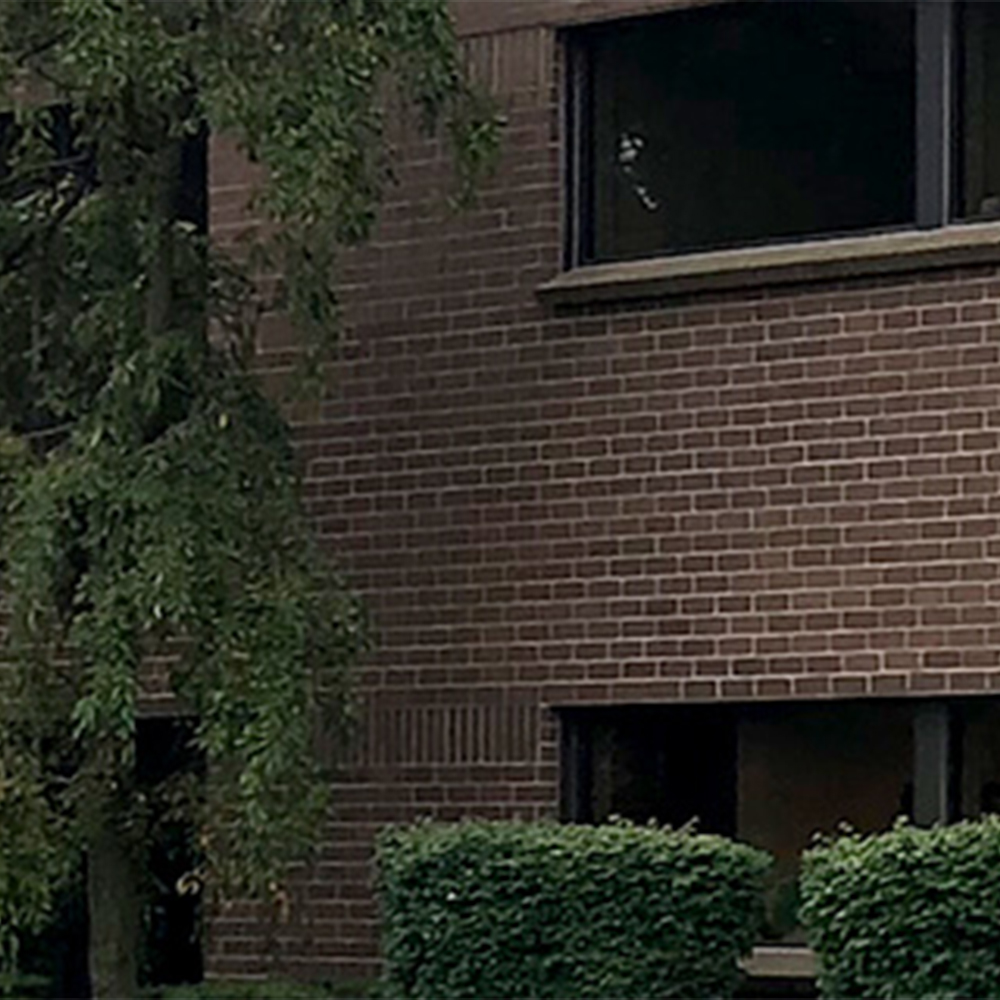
(775, 774)
(75, 160)
(979, 152)
(746, 123)
(60, 162)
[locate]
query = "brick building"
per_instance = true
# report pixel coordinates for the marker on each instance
(670, 471)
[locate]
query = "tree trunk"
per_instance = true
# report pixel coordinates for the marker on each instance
(115, 912)
(114, 901)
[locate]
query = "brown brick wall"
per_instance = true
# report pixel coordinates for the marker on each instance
(783, 493)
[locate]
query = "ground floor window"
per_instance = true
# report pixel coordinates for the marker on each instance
(776, 774)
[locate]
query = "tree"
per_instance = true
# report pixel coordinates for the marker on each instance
(150, 496)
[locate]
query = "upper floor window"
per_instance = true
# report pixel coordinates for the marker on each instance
(753, 122)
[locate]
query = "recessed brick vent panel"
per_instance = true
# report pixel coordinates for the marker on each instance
(450, 734)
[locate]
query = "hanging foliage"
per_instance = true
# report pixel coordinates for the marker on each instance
(150, 495)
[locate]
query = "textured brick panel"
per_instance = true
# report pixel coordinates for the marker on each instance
(450, 734)
(785, 494)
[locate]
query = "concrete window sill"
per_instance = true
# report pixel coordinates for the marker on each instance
(780, 962)
(857, 256)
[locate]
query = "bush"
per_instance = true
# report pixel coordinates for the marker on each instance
(909, 913)
(539, 910)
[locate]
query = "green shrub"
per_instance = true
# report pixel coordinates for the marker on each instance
(909, 913)
(539, 910)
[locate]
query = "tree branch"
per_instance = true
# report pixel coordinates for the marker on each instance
(43, 46)
(11, 259)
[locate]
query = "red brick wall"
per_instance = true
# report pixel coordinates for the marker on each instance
(781, 493)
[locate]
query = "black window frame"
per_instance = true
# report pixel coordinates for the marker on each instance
(938, 140)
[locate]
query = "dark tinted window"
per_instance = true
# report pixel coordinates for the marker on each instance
(744, 123)
(979, 197)
(65, 158)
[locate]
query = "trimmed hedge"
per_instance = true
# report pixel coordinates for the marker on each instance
(539, 910)
(909, 913)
